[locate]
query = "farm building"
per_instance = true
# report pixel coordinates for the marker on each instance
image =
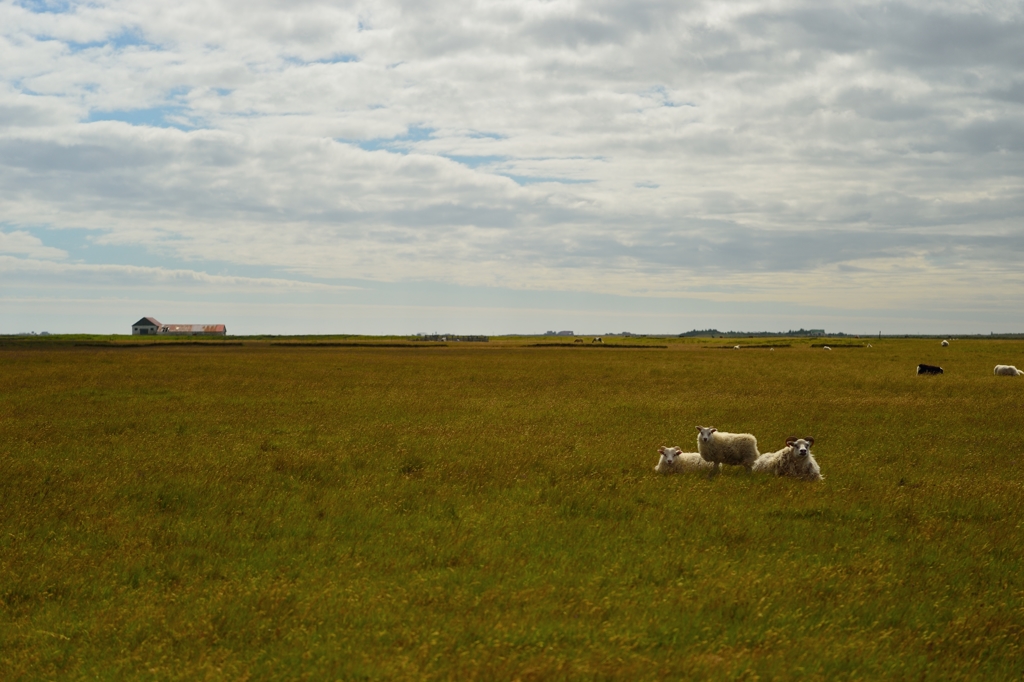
(147, 325)
(150, 325)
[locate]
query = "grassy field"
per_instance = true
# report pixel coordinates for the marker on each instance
(489, 511)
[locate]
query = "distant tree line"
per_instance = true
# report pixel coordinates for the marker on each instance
(791, 332)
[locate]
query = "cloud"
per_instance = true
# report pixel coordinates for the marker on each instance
(560, 145)
(25, 244)
(24, 271)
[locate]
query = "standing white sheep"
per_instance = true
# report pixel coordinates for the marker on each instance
(721, 448)
(1007, 371)
(793, 460)
(674, 461)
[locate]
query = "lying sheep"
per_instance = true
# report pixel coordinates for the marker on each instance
(674, 461)
(726, 448)
(945, 343)
(1007, 371)
(794, 460)
(825, 348)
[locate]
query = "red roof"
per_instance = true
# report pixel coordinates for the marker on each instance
(193, 329)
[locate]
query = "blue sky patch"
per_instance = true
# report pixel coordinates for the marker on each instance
(339, 59)
(398, 144)
(154, 117)
(535, 180)
(476, 161)
(333, 59)
(119, 41)
(46, 6)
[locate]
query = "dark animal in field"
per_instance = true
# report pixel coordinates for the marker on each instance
(597, 339)
(578, 341)
(928, 369)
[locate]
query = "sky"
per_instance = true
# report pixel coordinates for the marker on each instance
(393, 167)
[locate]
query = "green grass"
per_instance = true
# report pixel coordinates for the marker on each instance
(489, 511)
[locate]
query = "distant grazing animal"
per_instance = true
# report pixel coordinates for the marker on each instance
(771, 349)
(1007, 371)
(928, 369)
(870, 346)
(597, 339)
(736, 347)
(578, 341)
(674, 460)
(794, 460)
(945, 343)
(825, 348)
(719, 447)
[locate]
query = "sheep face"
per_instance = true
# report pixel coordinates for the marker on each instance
(801, 446)
(705, 433)
(669, 454)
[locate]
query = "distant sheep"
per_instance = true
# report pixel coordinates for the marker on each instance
(794, 460)
(674, 461)
(1007, 371)
(578, 341)
(739, 449)
(928, 369)
(945, 343)
(870, 346)
(825, 348)
(597, 339)
(736, 347)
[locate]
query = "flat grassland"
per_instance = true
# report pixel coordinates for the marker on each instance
(489, 511)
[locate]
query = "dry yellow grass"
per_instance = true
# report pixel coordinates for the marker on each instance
(489, 511)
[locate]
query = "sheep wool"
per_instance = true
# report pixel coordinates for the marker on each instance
(1007, 371)
(719, 447)
(674, 461)
(795, 460)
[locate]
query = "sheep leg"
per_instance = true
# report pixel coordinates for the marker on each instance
(714, 472)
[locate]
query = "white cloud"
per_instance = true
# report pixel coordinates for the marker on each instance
(25, 244)
(19, 272)
(649, 148)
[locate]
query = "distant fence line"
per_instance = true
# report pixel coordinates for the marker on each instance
(763, 345)
(450, 337)
(609, 346)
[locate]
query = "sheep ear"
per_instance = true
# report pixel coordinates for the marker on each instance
(662, 449)
(700, 428)
(713, 429)
(810, 441)
(790, 440)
